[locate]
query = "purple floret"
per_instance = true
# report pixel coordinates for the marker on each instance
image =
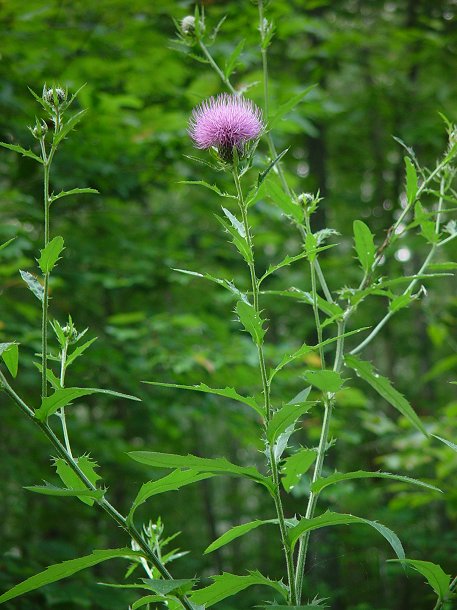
(224, 122)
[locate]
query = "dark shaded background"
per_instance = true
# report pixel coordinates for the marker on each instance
(383, 69)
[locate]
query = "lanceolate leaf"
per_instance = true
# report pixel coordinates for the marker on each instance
(22, 151)
(240, 242)
(228, 584)
(78, 351)
(326, 381)
(198, 464)
(385, 389)
(71, 479)
(63, 396)
(295, 466)
(202, 387)
(65, 569)
(164, 587)
(68, 126)
(172, 482)
(77, 191)
(251, 321)
(446, 442)
(10, 355)
(337, 477)
(52, 490)
(7, 243)
(50, 254)
(236, 532)
(285, 417)
(33, 284)
(411, 180)
(288, 106)
(211, 187)
(329, 518)
(364, 245)
(435, 575)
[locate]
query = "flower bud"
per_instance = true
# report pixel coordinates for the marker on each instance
(54, 95)
(188, 25)
(40, 129)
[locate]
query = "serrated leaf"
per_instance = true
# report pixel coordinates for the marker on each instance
(24, 152)
(364, 245)
(236, 224)
(69, 477)
(265, 173)
(52, 490)
(251, 321)
(271, 188)
(326, 381)
(198, 464)
(78, 351)
(237, 532)
(164, 587)
(65, 569)
(202, 387)
(330, 519)
(287, 260)
(411, 180)
(307, 607)
(67, 127)
(385, 389)
(10, 355)
(211, 187)
(337, 477)
(50, 376)
(400, 301)
(428, 231)
(446, 442)
(228, 584)
(288, 106)
(50, 254)
(230, 286)
(284, 418)
(295, 466)
(33, 284)
(172, 482)
(147, 599)
(239, 242)
(435, 575)
(76, 191)
(63, 396)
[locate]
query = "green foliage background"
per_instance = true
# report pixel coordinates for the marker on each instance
(383, 69)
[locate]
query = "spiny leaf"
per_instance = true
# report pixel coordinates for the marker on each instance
(69, 477)
(326, 381)
(435, 575)
(78, 351)
(50, 254)
(10, 355)
(385, 389)
(285, 417)
(77, 191)
(288, 106)
(236, 224)
(295, 466)
(164, 587)
(411, 180)
(67, 127)
(33, 284)
(211, 187)
(287, 260)
(251, 321)
(52, 490)
(66, 568)
(22, 151)
(364, 245)
(232, 61)
(236, 532)
(239, 242)
(337, 477)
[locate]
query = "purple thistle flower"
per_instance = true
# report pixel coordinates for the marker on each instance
(225, 122)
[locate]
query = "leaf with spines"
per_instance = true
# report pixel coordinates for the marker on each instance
(165, 586)
(364, 245)
(211, 187)
(272, 188)
(172, 482)
(326, 381)
(331, 519)
(198, 464)
(434, 573)
(33, 284)
(287, 260)
(285, 417)
(400, 301)
(67, 127)
(266, 171)
(69, 477)
(295, 466)
(24, 152)
(411, 181)
(10, 356)
(76, 191)
(78, 351)
(65, 569)
(236, 224)
(251, 321)
(50, 254)
(385, 389)
(51, 490)
(228, 584)
(337, 477)
(232, 61)
(236, 532)
(285, 108)
(63, 396)
(238, 241)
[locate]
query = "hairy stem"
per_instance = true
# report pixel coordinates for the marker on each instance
(114, 514)
(266, 392)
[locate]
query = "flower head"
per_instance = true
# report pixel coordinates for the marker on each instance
(225, 122)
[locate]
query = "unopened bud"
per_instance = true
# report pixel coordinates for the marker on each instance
(188, 25)
(54, 95)
(70, 332)
(39, 130)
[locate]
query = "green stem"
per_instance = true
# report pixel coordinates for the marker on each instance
(266, 392)
(115, 515)
(216, 68)
(61, 412)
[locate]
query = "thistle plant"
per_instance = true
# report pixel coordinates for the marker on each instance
(238, 137)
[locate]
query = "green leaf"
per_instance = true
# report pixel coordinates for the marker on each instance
(10, 355)
(52, 490)
(295, 466)
(226, 392)
(77, 191)
(237, 532)
(232, 61)
(7, 243)
(69, 477)
(172, 482)
(311, 246)
(22, 151)
(285, 262)
(66, 568)
(67, 127)
(236, 224)
(50, 254)
(329, 519)
(33, 284)
(436, 577)
(288, 106)
(411, 181)
(211, 187)
(147, 599)
(286, 417)
(321, 484)
(164, 587)
(400, 301)
(228, 584)
(326, 381)
(446, 442)
(385, 389)
(79, 351)
(251, 321)
(239, 242)
(230, 286)
(364, 245)
(198, 464)
(272, 189)
(265, 173)
(63, 396)
(307, 607)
